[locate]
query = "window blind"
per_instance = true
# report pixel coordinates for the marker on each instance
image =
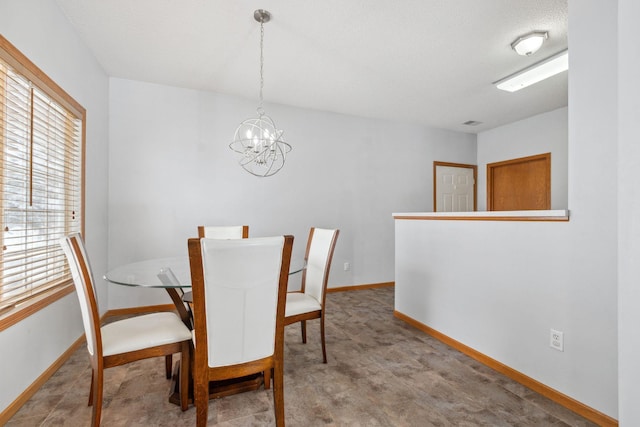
(41, 151)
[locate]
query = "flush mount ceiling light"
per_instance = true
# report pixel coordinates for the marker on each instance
(262, 148)
(535, 73)
(529, 43)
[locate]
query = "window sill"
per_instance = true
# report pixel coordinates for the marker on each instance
(14, 315)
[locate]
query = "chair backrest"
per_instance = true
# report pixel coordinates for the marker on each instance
(224, 232)
(318, 257)
(73, 247)
(239, 293)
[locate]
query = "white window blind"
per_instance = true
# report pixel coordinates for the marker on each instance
(41, 144)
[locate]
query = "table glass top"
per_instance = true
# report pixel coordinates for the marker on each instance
(158, 273)
(153, 273)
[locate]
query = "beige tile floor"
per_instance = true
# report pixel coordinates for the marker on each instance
(381, 372)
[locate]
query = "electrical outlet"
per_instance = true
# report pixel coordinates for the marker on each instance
(556, 340)
(347, 266)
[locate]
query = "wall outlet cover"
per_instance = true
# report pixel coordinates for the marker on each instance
(556, 340)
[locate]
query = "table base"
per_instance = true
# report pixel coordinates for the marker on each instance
(217, 389)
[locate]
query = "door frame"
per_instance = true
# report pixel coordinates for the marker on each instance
(456, 165)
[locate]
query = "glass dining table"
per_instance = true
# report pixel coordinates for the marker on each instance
(174, 275)
(165, 273)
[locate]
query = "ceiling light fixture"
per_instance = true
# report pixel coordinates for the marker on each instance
(257, 139)
(529, 43)
(537, 72)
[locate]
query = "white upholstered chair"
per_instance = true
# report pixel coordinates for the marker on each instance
(224, 232)
(239, 290)
(212, 232)
(123, 341)
(309, 302)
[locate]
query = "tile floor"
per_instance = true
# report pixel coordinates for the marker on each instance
(381, 372)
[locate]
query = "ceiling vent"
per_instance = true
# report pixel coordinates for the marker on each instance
(472, 123)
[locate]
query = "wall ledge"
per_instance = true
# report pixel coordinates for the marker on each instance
(551, 215)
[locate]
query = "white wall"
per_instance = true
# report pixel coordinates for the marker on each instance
(499, 287)
(544, 133)
(39, 30)
(170, 170)
(628, 212)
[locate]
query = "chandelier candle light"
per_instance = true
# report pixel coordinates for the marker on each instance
(262, 148)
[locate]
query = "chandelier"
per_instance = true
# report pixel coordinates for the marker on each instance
(258, 141)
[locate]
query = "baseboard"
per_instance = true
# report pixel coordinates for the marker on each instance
(361, 287)
(15, 406)
(558, 397)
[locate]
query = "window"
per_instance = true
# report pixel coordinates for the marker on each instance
(41, 182)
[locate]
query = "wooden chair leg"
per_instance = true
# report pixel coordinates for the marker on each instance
(267, 379)
(201, 400)
(97, 385)
(278, 395)
(184, 376)
(303, 325)
(91, 388)
(324, 348)
(168, 362)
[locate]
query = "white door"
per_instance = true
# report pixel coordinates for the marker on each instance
(454, 188)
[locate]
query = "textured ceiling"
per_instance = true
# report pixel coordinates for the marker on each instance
(429, 62)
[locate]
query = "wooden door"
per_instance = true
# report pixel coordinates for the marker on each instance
(454, 187)
(520, 184)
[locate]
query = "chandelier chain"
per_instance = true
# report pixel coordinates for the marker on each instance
(260, 109)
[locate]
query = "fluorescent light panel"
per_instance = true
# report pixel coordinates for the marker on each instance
(536, 73)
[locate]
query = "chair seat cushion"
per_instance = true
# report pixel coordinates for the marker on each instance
(298, 303)
(141, 332)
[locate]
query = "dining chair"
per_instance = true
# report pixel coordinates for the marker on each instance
(224, 231)
(309, 302)
(213, 232)
(123, 341)
(239, 290)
